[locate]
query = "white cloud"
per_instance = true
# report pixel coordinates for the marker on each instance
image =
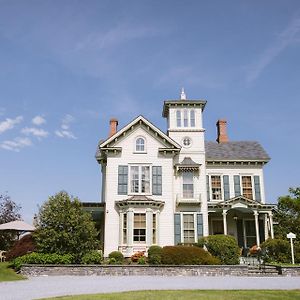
(285, 38)
(38, 120)
(9, 123)
(16, 144)
(40, 133)
(65, 131)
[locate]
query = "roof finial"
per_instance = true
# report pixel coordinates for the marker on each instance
(182, 95)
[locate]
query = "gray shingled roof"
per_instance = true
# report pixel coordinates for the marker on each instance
(242, 150)
(188, 162)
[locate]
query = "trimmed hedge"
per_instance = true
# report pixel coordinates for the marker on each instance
(116, 257)
(224, 247)
(42, 258)
(93, 257)
(187, 255)
(154, 255)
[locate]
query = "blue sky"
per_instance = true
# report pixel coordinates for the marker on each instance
(67, 67)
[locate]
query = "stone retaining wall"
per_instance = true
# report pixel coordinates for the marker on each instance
(137, 270)
(288, 271)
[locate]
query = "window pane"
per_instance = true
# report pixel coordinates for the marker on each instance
(125, 229)
(192, 114)
(216, 190)
(140, 145)
(134, 170)
(185, 118)
(188, 185)
(188, 228)
(178, 118)
(139, 228)
(247, 187)
(145, 179)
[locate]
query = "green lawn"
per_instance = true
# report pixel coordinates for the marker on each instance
(191, 295)
(7, 274)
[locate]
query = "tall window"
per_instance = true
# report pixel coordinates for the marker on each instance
(247, 187)
(188, 228)
(140, 145)
(250, 233)
(178, 118)
(125, 228)
(140, 179)
(154, 229)
(192, 118)
(139, 228)
(216, 190)
(188, 185)
(185, 118)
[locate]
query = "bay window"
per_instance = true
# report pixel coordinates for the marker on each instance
(139, 228)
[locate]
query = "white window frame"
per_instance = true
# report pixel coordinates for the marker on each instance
(210, 188)
(139, 192)
(182, 225)
(252, 184)
(192, 110)
(136, 145)
(146, 228)
(182, 183)
(178, 120)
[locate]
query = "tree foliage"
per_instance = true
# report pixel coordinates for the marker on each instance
(63, 227)
(288, 214)
(9, 211)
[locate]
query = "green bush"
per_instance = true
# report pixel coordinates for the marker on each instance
(224, 247)
(276, 250)
(117, 256)
(42, 258)
(93, 257)
(187, 255)
(142, 260)
(154, 255)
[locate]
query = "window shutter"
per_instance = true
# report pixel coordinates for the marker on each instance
(237, 185)
(199, 226)
(257, 188)
(226, 187)
(207, 187)
(122, 180)
(156, 180)
(177, 229)
(240, 232)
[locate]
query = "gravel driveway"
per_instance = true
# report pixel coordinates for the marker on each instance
(50, 286)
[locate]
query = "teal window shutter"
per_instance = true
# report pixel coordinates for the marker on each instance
(226, 187)
(177, 229)
(207, 187)
(122, 180)
(237, 185)
(156, 180)
(257, 188)
(199, 226)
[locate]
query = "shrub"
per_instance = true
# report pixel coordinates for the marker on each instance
(93, 257)
(276, 250)
(142, 260)
(154, 255)
(42, 258)
(136, 256)
(224, 247)
(112, 261)
(117, 255)
(21, 247)
(187, 255)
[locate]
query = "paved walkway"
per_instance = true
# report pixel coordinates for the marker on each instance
(51, 286)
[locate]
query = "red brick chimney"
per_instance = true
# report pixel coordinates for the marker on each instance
(222, 131)
(113, 126)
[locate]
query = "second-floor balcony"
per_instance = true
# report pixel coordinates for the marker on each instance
(188, 198)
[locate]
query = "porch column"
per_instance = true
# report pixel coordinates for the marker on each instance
(225, 221)
(149, 227)
(256, 228)
(271, 224)
(121, 222)
(266, 226)
(130, 228)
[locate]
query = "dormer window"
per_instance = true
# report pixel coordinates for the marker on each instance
(185, 118)
(140, 145)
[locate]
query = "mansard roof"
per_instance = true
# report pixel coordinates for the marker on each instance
(235, 151)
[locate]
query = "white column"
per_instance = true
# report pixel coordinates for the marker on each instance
(129, 230)
(157, 227)
(149, 227)
(256, 227)
(225, 221)
(121, 223)
(271, 224)
(266, 226)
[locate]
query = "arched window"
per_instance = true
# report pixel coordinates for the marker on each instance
(178, 118)
(140, 145)
(192, 118)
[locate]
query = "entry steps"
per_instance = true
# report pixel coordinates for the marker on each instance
(262, 270)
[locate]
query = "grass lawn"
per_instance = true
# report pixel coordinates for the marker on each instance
(7, 274)
(191, 295)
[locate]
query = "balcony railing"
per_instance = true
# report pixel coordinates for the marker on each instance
(188, 199)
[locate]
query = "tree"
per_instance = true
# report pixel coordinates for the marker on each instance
(9, 211)
(288, 214)
(63, 227)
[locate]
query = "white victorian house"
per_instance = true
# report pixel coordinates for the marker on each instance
(168, 188)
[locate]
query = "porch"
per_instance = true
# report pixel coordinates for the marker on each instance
(250, 222)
